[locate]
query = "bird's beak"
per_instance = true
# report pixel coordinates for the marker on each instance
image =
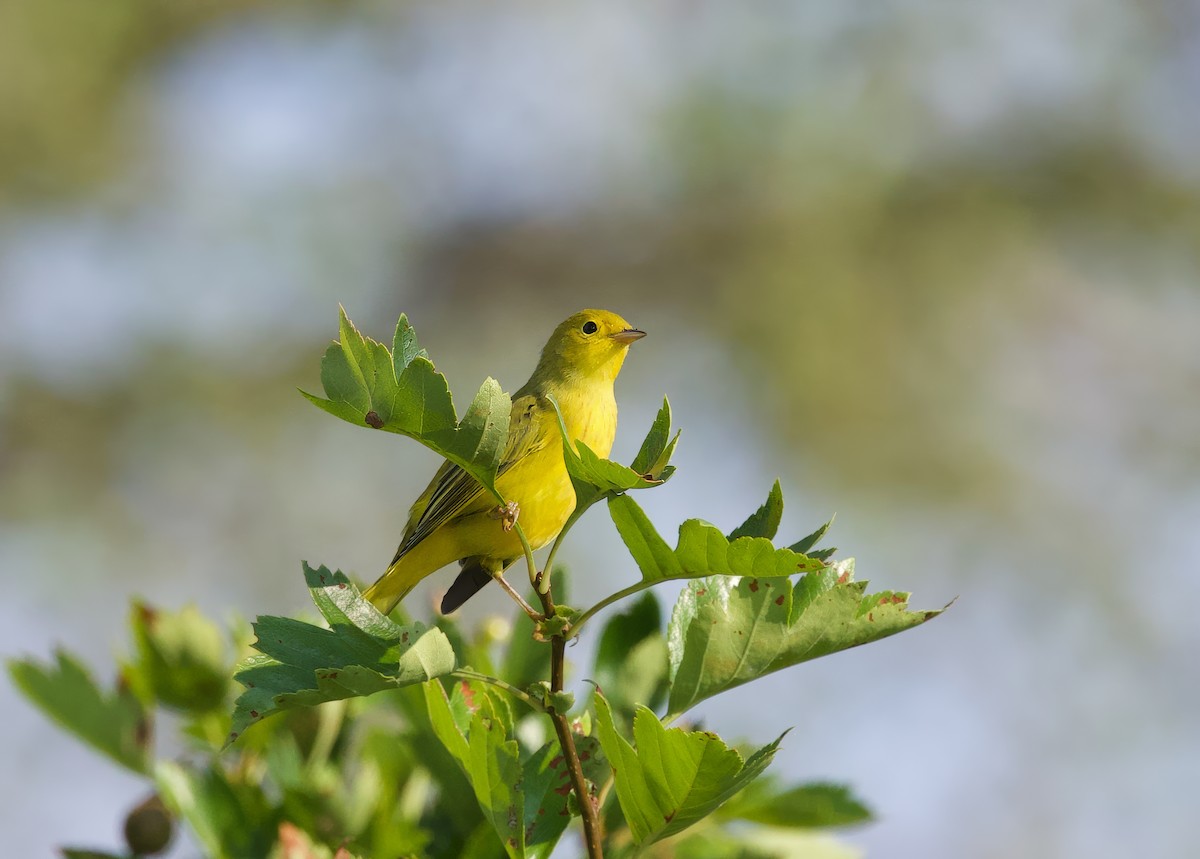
(628, 335)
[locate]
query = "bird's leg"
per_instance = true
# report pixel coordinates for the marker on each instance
(517, 598)
(507, 514)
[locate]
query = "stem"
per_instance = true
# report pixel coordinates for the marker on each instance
(529, 562)
(566, 739)
(580, 509)
(549, 567)
(605, 603)
(467, 674)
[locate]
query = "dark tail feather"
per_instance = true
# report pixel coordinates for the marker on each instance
(469, 582)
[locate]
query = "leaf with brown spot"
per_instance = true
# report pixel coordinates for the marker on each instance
(401, 391)
(727, 631)
(362, 652)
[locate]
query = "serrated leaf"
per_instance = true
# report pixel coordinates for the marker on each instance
(806, 545)
(659, 469)
(423, 402)
(655, 443)
(726, 631)
(361, 653)
(816, 805)
(401, 391)
(477, 442)
(343, 381)
(764, 522)
(650, 551)
(404, 345)
(114, 723)
(490, 759)
(673, 778)
(702, 549)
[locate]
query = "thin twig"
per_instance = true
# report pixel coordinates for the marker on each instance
(467, 674)
(577, 625)
(517, 598)
(548, 569)
(529, 562)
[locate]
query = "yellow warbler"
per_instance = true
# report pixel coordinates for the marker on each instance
(455, 519)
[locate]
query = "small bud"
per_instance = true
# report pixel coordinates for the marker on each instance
(149, 827)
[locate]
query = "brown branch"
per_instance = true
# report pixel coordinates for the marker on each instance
(566, 739)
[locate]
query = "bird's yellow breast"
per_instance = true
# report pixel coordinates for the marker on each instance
(591, 416)
(540, 483)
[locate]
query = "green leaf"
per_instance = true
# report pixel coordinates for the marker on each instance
(806, 545)
(230, 820)
(404, 346)
(477, 442)
(530, 809)
(656, 450)
(116, 723)
(562, 701)
(650, 551)
(673, 778)
(816, 805)
(728, 631)
(631, 659)
(764, 522)
(401, 391)
(182, 656)
(490, 759)
(702, 549)
(361, 653)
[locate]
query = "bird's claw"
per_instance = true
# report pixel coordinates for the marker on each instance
(507, 514)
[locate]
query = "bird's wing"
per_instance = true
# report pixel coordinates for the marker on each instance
(453, 490)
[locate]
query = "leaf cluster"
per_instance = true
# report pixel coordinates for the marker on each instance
(477, 749)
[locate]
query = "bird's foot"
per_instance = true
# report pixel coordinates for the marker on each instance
(507, 514)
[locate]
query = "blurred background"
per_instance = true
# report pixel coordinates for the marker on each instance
(934, 265)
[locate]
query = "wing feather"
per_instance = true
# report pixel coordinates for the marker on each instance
(453, 490)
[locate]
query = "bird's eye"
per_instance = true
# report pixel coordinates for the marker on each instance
(590, 327)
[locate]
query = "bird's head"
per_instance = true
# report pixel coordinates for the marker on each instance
(590, 344)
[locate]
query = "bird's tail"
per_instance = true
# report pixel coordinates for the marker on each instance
(475, 574)
(395, 584)
(391, 587)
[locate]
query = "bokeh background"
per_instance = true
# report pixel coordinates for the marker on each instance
(935, 265)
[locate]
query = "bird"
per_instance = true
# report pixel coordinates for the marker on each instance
(456, 519)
